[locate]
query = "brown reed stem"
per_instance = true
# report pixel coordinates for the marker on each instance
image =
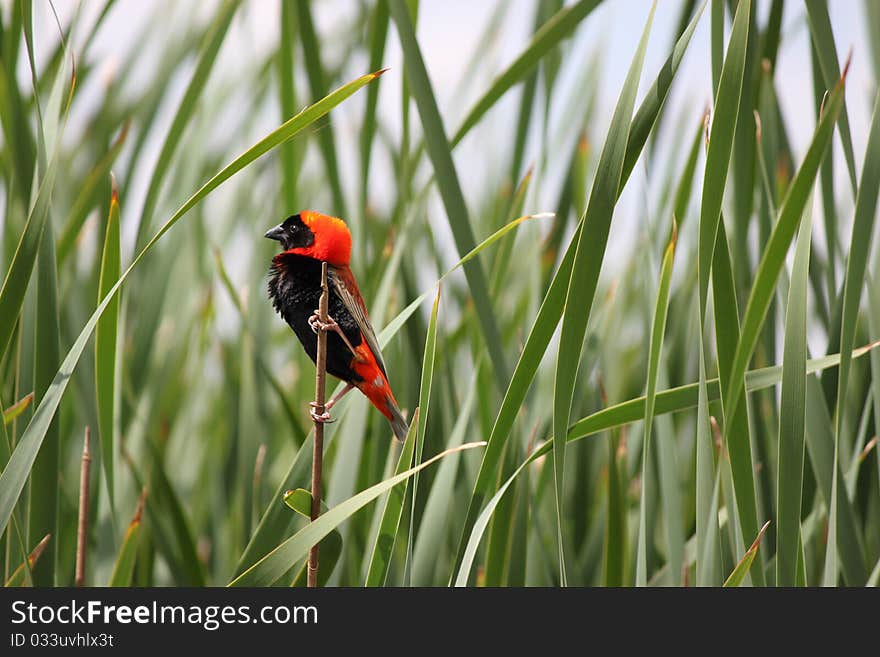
(318, 452)
(82, 528)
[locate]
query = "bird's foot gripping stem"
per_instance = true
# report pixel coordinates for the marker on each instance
(324, 418)
(330, 325)
(316, 324)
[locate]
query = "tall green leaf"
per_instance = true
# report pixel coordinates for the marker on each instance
(185, 111)
(792, 415)
(658, 327)
(587, 263)
(726, 108)
(123, 569)
(856, 267)
(551, 33)
(773, 257)
(823, 38)
(392, 510)
(45, 474)
(742, 568)
(317, 84)
(105, 344)
(447, 183)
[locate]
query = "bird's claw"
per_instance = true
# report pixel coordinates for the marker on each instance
(316, 324)
(324, 418)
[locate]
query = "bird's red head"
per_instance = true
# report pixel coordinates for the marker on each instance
(314, 235)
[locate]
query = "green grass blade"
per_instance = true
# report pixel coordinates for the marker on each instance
(447, 183)
(736, 422)
(89, 196)
(742, 568)
(587, 263)
(658, 328)
(872, 15)
(288, 153)
(105, 345)
(823, 38)
(13, 478)
(19, 407)
(686, 182)
(268, 569)
(311, 50)
(123, 569)
(874, 329)
(708, 565)
(821, 448)
(300, 500)
(267, 371)
(726, 109)
(479, 527)
(554, 31)
(717, 43)
(19, 272)
(44, 498)
(391, 513)
(185, 111)
(687, 396)
(436, 516)
(773, 257)
(710, 553)
(500, 532)
(386, 537)
(425, 385)
(792, 414)
(615, 544)
(170, 524)
(647, 115)
(857, 261)
(826, 180)
(379, 21)
(874, 579)
(21, 575)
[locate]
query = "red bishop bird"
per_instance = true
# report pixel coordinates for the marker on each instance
(308, 239)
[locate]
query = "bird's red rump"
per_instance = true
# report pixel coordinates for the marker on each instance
(373, 384)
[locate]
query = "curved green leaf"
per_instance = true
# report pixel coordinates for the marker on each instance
(773, 257)
(726, 109)
(792, 414)
(555, 30)
(587, 263)
(105, 344)
(655, 346)
(448, 184)
(742, 568)
(185, 110)
(272, 566)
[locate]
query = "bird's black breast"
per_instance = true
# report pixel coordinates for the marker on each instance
(295, 291)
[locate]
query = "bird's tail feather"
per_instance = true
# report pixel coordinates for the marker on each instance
(398, 423)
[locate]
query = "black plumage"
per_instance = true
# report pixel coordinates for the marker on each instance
(295, 290)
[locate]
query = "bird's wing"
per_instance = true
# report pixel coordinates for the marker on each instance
(342, 281)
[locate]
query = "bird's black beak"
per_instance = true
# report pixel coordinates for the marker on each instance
(275, 233)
